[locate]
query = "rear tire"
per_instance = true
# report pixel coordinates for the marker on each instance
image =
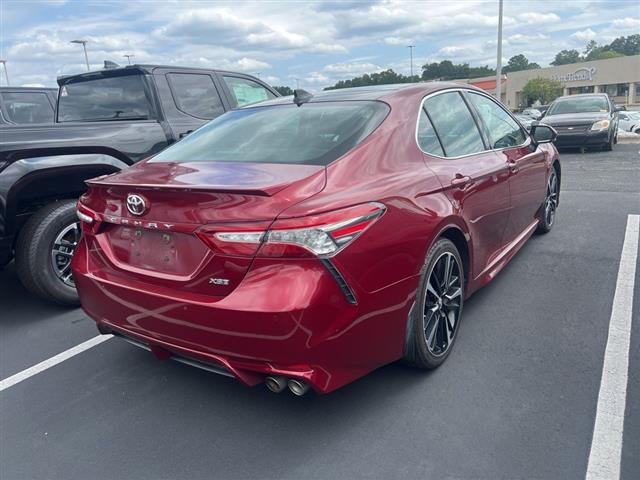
(435, 323)
(547, 212)
(44, 271)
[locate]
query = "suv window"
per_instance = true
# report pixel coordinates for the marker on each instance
(504, 131)
(454, 124)
(195, 94)
(427, 138)
(27, 107)
(246, 92)
(107, 98)
(314, 134)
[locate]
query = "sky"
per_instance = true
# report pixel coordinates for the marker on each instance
(310, 44)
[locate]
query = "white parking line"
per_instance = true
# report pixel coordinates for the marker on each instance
(606, 445)
(50, 362)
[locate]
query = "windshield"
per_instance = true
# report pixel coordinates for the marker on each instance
(109, 98)
(579, 105)
(312, 134)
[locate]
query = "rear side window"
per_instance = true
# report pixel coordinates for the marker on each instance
(427, 138)
(454, 124)
(195, 95)
(246, 92)
(27, 107)
(504, 131)
(109, 98)
(313, 134)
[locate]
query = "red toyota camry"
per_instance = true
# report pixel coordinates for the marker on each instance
(304, 242)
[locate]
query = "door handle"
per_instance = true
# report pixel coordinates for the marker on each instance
(513, 167)
(460, 180)
(184, 134)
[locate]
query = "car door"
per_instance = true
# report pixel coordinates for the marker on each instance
(474, 178)
(525, 161)
(196, 100)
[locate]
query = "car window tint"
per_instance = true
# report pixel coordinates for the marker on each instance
(246, 92)
(110, 98)
(427, 138)
(454, 124)
(504, 131)
(313, 134)
(27, 107)
(579, 105)
(195, 94)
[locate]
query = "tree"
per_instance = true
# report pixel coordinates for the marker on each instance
(518, 63)
(447, 70)
(608, 54)
(379, 78)
(626, 45)
(542, 89)
(283, 90)
(564, 57)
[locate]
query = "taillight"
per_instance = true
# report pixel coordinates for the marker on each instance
(320, 235)
(89, 220)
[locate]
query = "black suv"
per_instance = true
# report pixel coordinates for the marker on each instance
(587, 120)
(105, 121)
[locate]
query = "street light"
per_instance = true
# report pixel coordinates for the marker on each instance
(6, 75)
(129, 57)
(411, 47)
(499, 59)
(84, 46)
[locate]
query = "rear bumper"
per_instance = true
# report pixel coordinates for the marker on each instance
(288, 318)
(582, 139)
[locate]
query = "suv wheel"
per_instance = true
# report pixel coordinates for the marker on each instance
(44, 251)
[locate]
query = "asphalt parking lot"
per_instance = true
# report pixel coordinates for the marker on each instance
(516, 399)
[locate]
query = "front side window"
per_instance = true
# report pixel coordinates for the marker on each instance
(504, 131)
(195, 94)
(313, 134)
(427, 138)
(27, 107)
(101, 99)
(454, 124)
(246, 92)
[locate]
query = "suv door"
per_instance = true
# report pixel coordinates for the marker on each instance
(196, 100)
(525, 161)
(475, 179)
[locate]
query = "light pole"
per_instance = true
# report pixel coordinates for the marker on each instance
(129, 57)
(411, 47)
(6, 75)
(84, 46)
(499, 59)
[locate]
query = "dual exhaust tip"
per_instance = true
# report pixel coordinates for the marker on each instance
(277, 384)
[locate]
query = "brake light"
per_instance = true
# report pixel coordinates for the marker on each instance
(313, 236)
(89, 220)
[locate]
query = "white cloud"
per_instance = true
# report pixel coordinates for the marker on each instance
(520, 39)
(584, 35)
(626, 23)
(354, 68)
(538, 18)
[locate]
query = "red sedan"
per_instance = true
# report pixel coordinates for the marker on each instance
(306, 242)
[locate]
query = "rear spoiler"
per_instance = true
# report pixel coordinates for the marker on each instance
(266, 191)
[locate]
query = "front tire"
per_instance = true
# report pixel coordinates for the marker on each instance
(607, 147)
(547, 213)
(44, 250)
(439, 307)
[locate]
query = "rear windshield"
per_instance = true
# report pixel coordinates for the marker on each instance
(312, 134)
(579, 105)
(110, 98)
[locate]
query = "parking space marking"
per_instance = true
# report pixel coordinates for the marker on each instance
(53, 361)
(606, 445)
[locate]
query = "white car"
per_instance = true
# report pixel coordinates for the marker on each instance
(532, 112)
(629, 121)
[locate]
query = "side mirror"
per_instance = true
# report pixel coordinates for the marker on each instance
(542, 133)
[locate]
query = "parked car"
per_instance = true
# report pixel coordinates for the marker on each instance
(629, 121)
(106, 121)
(542, 109)
(534, 113)
(525, 120)
(585, 120)
(27, 105)
(307, 242)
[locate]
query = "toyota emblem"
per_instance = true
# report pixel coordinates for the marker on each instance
(136, 204)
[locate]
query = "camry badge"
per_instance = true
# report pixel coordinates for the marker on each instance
(136, 204)
(219, 281)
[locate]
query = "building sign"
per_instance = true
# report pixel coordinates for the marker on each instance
(580, 75)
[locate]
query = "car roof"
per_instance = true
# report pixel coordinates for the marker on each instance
(565, 97)
(371, 92)
(27, 89)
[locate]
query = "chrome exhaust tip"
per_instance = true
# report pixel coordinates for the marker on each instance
(275, 384)
(298, 387)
